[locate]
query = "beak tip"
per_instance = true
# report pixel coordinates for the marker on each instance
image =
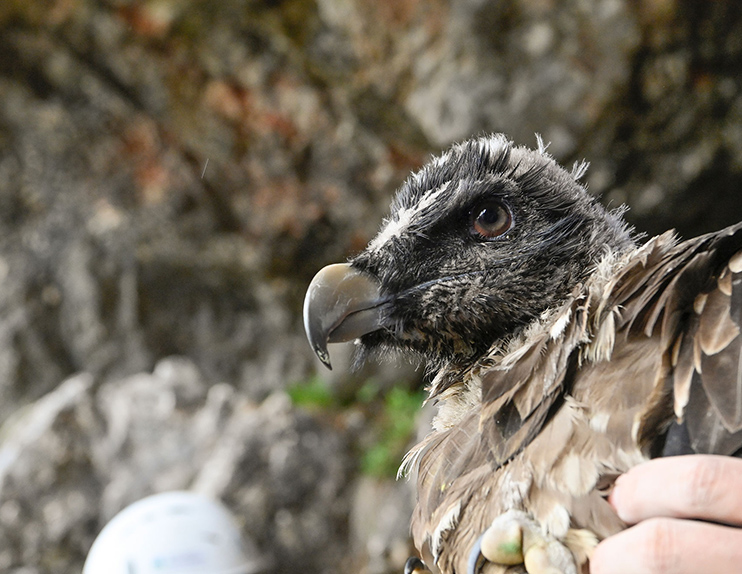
(324, 356)
(340, 305)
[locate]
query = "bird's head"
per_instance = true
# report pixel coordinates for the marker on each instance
(479, 242)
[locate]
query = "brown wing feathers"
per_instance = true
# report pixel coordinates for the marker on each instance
(708, 396)
(693, 316)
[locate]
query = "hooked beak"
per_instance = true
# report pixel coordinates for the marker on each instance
(341, 304)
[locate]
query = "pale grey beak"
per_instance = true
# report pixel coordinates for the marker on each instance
(341, 304)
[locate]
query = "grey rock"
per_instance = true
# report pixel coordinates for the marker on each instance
(73, 459)
(380, 523)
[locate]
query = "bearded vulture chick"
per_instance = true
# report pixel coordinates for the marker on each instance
(562, 352)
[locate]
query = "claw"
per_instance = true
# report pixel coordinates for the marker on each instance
(476, 559)
(415, 566)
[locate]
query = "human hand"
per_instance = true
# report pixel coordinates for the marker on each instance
(660, 497)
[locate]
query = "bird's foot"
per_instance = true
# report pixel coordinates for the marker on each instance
(515, 538)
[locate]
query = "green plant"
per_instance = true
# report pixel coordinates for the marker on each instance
(313, 394)
(395, 427)
(390, 417)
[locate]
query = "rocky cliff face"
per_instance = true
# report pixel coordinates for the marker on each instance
(73, 459)
(173, 172)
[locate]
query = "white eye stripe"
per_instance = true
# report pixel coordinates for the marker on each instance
(404, 218)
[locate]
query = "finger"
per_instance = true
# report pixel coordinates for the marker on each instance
(668, 545)
(696, 486)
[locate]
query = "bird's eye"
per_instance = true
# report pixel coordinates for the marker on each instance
(491, 219)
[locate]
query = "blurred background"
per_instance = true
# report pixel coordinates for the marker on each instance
(173, 173)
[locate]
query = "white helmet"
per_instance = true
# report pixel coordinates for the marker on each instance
(171, 533)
